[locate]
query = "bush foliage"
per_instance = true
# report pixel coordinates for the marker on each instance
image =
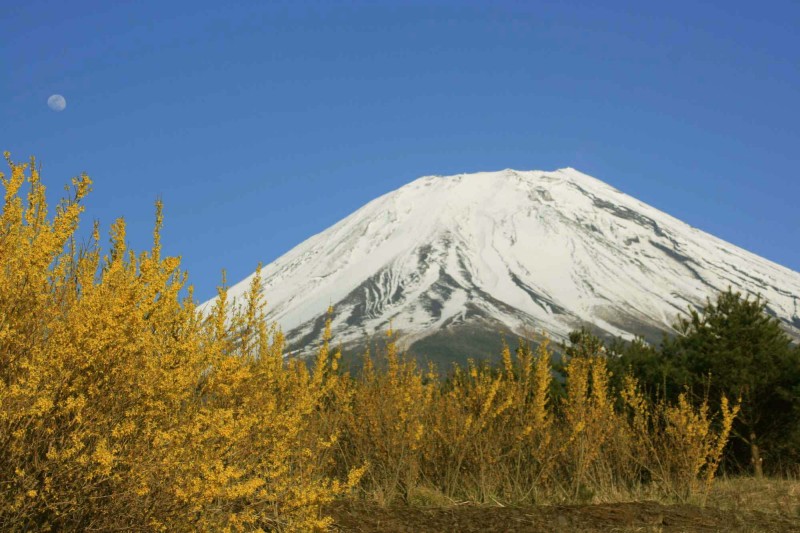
(120, 408)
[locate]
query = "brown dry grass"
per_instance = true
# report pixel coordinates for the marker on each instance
(768, 495)
(650, 517)
(735, 504)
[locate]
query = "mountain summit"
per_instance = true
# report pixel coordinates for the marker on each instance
(518, 252)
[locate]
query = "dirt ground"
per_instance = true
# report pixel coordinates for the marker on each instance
(619, 517)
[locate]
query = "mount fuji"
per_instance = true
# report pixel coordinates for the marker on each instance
(473, 256)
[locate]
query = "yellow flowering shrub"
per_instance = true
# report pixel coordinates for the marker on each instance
(589, 418)
(504, 434)
(383, 426)
(120, 407)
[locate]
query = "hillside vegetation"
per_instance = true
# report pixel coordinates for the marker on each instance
(121, 407)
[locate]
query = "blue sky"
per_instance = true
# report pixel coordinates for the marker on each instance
(262, 123)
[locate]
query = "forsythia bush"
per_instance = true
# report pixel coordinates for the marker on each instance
(514, 434)
(123, 407)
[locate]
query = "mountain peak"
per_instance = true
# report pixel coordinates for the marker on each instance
(514, 251)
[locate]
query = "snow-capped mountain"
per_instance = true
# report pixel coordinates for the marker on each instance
(511, 251)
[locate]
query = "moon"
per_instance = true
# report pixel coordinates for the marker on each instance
(57, 102)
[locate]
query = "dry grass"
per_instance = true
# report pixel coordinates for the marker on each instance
(740, 504)
(768, 495)
(640, 517)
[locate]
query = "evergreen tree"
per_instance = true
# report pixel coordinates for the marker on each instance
(733, 346)
(584, 343)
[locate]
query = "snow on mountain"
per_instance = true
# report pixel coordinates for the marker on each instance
(521, 251)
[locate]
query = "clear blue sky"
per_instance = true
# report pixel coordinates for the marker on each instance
(262, 123)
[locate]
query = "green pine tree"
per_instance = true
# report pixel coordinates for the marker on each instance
(733, 346)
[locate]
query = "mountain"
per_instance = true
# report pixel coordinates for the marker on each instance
(462, 258)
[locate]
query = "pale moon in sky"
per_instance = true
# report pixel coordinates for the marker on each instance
(56, 102)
